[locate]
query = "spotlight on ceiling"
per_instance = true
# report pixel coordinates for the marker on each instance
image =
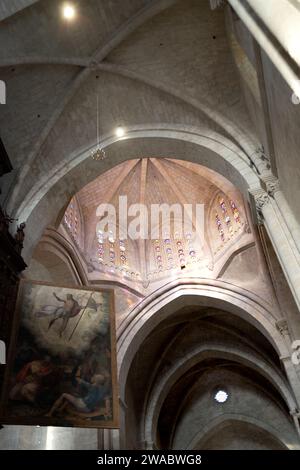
(120, 131)
(69, 11)
(221, 396)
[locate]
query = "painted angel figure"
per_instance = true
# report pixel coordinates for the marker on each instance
(69, 309)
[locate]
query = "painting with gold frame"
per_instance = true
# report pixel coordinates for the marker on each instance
(61, 369)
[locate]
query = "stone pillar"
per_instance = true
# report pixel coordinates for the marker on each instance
(289, 367)
(296, 416)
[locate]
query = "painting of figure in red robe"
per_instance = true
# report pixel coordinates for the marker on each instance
(62, 364)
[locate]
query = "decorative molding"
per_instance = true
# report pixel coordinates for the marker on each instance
(262, 197)
(273, 187)
(270, 184)
(262, 200)
(282, 327)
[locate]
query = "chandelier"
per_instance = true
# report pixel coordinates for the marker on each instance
(98, 153)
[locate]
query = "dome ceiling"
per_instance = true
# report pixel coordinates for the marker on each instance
(157, 181)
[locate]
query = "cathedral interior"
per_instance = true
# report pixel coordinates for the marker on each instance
(162, 101)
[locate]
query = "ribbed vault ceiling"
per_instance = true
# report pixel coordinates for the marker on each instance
(153, 61)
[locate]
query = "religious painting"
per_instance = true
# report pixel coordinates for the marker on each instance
(62, 363)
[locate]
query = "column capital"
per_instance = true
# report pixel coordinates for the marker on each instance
(271, 185)
(261, 199)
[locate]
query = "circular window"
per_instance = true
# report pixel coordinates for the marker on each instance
(221, 396)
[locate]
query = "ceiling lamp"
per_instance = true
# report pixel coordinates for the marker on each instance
(120, 131)
(98, 153)
(69, 12)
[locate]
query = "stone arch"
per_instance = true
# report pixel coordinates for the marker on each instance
(162, 303)
(53, 242)
(163, 387)
(199, 146)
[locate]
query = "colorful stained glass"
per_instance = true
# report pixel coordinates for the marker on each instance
(222, 204)
(226, 216)
(112, 254)
(220, 227)
(235, 212)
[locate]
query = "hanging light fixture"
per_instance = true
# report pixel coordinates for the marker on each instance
(98, 153)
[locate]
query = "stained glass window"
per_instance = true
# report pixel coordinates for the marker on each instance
(227, 218)
(173, 253)
(220, 227)
(235, 212)
(112, 256)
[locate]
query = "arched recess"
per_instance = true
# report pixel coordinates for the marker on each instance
(165, 303)
(205, 351)
(217, 424)
(39, 207)
(59, 247)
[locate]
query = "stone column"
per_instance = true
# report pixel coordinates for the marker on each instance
(269, 214)
(108, 439)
